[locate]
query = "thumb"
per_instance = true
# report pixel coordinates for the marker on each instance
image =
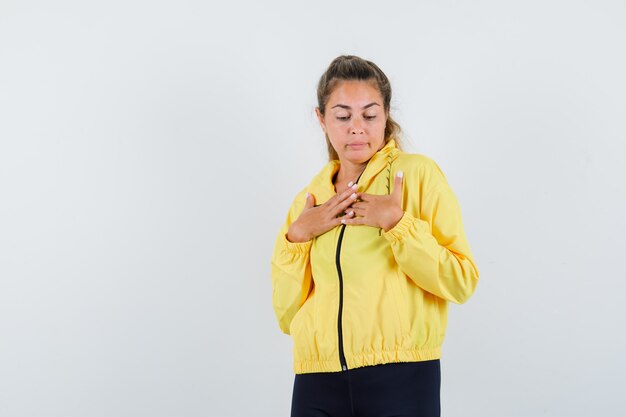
(397, 187)
(310, 201)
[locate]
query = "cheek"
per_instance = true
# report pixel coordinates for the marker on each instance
(380, 128)
(335, 130)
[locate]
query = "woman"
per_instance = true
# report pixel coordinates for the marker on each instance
(370, 254)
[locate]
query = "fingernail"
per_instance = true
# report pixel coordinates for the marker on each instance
(351, 213)
(307, 195)
(343, 221)
(350, 184)
(355, 186)
(353, 195)
(400, 174)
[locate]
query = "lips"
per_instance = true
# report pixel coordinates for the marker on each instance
(356, 144)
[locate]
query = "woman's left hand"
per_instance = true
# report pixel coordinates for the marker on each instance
(383, 211)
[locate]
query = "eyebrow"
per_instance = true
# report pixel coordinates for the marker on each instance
(343, 106)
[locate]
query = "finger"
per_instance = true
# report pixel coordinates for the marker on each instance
(346, 194)
(356, 211)
(353, 221)
(339, 220)
(363, 196)
(310, 201)
(351, 189)
(397, 187)
(342, 205)
(349, 192)
(368, 198)
(346, 203)
(357, 205)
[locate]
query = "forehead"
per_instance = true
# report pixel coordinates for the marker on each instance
(355, 93)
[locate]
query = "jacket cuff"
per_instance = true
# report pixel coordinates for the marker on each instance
(296, 248)
(402, 228)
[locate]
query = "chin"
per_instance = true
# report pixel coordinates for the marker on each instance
(359, 157)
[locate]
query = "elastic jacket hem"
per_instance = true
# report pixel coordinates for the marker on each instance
(368, 359)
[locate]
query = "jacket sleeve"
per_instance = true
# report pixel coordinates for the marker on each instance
(433, 250)
(291, 270)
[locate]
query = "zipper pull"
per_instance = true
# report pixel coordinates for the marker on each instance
(344, 367)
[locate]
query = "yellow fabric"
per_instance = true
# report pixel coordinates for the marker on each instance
(396, 284)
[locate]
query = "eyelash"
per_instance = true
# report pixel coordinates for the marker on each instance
(365, 117)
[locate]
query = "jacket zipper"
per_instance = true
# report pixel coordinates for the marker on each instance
(342, 356)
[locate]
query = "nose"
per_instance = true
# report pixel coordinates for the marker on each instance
(356, 128)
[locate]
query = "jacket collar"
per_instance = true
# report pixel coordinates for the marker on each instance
(322, 187)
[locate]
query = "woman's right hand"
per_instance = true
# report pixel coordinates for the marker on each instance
(313, 221)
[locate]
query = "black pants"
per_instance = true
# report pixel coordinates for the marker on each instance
(406, 389)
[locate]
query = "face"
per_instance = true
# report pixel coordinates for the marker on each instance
(355, 121)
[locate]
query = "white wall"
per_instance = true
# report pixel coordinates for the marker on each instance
(149, 152)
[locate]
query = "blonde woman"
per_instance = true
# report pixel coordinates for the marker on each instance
(370, 254)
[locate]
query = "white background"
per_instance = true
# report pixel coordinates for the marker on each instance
(149, 151)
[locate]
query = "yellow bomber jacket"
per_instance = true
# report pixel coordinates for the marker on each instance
(357, 295)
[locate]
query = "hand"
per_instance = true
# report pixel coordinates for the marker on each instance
(313, 221)
(384, 211)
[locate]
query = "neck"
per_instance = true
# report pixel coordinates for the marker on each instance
(349, 171)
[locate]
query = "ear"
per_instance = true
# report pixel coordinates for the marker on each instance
(320, 118)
